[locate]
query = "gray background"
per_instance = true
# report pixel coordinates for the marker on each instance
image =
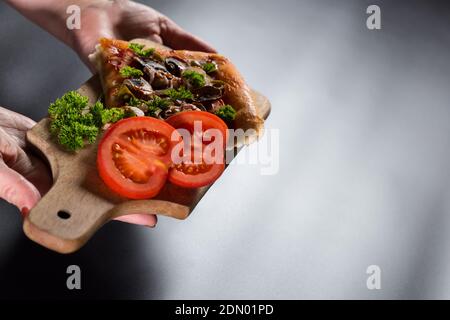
(364, 162)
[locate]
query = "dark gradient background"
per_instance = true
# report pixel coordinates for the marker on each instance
(364, 162)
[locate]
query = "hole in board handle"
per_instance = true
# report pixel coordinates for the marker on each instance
(63, 215)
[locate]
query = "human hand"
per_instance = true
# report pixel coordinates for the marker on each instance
(120, 19)
(24, 178)
(123, 19)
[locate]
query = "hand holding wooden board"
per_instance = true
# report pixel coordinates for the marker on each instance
(79, 203)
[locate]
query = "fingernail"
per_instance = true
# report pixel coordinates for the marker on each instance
(25, 211)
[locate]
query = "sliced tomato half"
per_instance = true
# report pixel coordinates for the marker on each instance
(134, 156)
(201, 169)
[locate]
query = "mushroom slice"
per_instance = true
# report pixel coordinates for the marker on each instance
(124, 94)
(175, 66)
(150, 63)
(210, 92)
(134, 111)
(178, 108)
(139, 87)
(150, 68)
(213, 106)
(161, 80)
(200, 106)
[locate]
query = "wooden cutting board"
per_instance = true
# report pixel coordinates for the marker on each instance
(79, 203)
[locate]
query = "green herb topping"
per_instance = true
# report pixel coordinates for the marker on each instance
(74, 123)
(135, 102)
(103, 116)
(157, 102)
(194, 78)
(153, 106)
(130, 72)
(179, 94)
(140, 51)
(226, 112)
(209, 67)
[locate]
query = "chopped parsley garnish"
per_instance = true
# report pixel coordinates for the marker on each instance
(153, 106)
(226, 112)
(194, 78)
(209, 67)
(179, 94)
(158, 102)
(153, 111)
(103, 116)
(140, 51)
(135, 102)
(130, 72)
(74, 123)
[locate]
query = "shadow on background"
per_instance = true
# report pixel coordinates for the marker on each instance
(353, 81)
(112, 261)
(108, 266)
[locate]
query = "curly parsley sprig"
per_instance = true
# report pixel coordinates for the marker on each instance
(140, 51)
(179, 94)
(74, 123)
(195, 78)
(130, 72)
(226, 112)
(152, 107)
(209, 67)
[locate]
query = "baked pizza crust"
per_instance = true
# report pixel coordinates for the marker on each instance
(108, 58)
(111, 55)
(237, 93)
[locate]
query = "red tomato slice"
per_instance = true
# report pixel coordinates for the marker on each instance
(134, 156)
(203, 172)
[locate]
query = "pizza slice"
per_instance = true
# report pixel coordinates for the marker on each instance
(162, 82)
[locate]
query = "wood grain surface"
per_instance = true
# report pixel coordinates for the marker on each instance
(79, 203)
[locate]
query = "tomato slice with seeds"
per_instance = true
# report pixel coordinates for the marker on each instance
(134, 156)
(202, 169)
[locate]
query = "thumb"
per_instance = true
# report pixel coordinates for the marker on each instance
(17, 190)
(177, 38)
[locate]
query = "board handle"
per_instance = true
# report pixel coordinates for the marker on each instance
(63, 220)
(79, 203)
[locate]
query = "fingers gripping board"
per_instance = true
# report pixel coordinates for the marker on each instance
(79, 203)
